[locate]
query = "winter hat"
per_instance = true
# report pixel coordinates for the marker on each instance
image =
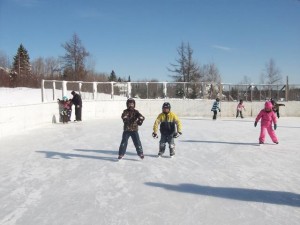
(65, 98)
(166, 105)
(268, 105)
(130, 100)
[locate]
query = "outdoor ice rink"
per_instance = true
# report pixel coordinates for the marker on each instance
(68, 174)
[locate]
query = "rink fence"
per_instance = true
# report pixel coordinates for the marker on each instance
(18, 119)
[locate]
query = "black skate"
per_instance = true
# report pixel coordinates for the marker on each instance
(141, 156)
(160, 154)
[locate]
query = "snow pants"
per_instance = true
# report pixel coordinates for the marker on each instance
(270, 131)
(136, 141)
(215, 114)
(78, 109)
(238, 112)
(162, 144)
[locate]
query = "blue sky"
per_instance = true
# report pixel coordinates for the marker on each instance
(139, 38)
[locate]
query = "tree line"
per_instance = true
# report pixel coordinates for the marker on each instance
(73, 66)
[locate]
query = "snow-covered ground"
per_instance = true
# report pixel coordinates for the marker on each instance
(19, 96)
(23, 96)
(67, 174)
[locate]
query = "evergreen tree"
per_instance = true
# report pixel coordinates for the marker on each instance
(129, 79)
(112, 76)
(21, 67)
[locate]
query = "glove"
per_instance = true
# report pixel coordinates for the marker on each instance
(255, 124)
(275, 126)
(154, 135)
(176, 135)
(219, 110)
(140, 122)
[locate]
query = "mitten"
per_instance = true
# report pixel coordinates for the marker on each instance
(140, 122)
(176, 135)
(275, 126)
(255, 124)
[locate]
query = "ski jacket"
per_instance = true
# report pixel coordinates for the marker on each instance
(65, 104)
(76, 100)
(240, 107)
(266, 118)
(168, 123)
(131, 118)
(216, 106)
(276, 106)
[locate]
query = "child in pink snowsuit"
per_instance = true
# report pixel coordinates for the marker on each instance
(267, 116)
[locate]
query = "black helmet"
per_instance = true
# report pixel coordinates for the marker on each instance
(166, 105)
(130, 100)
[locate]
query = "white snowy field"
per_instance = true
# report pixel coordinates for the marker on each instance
(25, 96)
(67, 174)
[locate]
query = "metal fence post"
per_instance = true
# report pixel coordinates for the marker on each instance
(112, 90)
(64, 88)
(165, 89)
(43, 90)
(128, 89)
(53, 91)
(94, 90)
(79, 87)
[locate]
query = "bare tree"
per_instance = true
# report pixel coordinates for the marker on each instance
(74, 58)
(211, 73)
(52, 67)
(186, 69)
(4, 60)
(38, 67)
(246, 80)
(271, 74)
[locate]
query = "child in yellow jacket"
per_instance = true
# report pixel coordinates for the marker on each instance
(170, 128)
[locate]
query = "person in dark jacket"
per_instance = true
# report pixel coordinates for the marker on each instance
(276, 107)
(77, 101)
(132, 119)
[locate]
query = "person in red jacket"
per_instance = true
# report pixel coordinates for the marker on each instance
(267, 117)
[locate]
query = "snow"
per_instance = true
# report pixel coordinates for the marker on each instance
(24, 96)
(19, 96)
(69, 174)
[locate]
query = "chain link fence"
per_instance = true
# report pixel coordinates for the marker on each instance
(171, 90)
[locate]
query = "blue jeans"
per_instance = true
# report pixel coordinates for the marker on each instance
(136, 141)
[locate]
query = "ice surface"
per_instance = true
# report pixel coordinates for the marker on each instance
(68, 174)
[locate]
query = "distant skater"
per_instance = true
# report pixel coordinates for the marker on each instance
(267, 117)
(276, 107)
(215, 107)
(239, 109)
